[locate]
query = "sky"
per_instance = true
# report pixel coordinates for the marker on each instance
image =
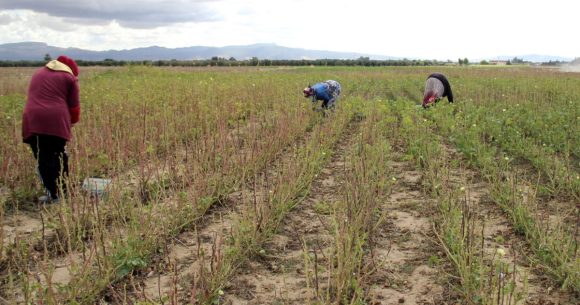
(435, 29)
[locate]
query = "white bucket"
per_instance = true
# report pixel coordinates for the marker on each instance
(96, 186)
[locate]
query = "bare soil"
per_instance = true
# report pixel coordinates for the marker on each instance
(404, 245)
(279, 275)
(498, 233)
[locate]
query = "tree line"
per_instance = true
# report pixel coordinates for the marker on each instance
(232, 62)
(255, 61)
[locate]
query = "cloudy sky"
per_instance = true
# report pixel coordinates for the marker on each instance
(435, 29)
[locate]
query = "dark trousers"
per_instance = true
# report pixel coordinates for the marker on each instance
(52, 161)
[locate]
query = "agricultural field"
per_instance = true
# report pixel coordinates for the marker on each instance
(228, 188)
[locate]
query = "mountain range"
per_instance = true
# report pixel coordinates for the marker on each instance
(535, 58)
(38, 50)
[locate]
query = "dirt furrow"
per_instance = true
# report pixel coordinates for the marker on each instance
(501, 245)
(284, 273)
(402, 255)
(32, 221)
(60, 269)
(199, 250)
(20, 225)
(186, 254)
(34, 225)
(26, 222)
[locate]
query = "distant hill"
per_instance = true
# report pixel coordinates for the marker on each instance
(37, 51)
(535, 58)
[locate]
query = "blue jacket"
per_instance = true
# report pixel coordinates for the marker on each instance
(321, 92)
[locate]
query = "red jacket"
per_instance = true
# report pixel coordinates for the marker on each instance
(53, 104)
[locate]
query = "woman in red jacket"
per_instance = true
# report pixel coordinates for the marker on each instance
(52, 107)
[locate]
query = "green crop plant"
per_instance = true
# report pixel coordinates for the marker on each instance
(286, 191)
(178, 141)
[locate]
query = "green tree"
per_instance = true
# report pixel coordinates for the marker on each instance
(47, 57)
(254, 61)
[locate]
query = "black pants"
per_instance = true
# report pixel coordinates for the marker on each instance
(52, 161)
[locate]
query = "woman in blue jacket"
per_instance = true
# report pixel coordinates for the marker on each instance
(327, 92)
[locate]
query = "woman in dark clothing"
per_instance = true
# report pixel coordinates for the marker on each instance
(436, 87)
(52, 107)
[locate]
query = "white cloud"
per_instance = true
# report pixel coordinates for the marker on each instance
(129, 13)
(7, 18)
(443, 29)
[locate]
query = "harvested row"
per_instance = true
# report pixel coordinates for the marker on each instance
(142, 164)
(403, 261)
(517, 278)
(128, 119)
(214, 187)
(285, 268)
(154, 176)
(407, 264)
(478, 238)
(336, 248)
(196, 210)
(258, 152)
(549, 224)
(198, 267)
(532, 119)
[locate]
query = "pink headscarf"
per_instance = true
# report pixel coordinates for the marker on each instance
(70, 63)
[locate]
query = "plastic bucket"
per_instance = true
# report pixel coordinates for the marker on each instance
(96, 186)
